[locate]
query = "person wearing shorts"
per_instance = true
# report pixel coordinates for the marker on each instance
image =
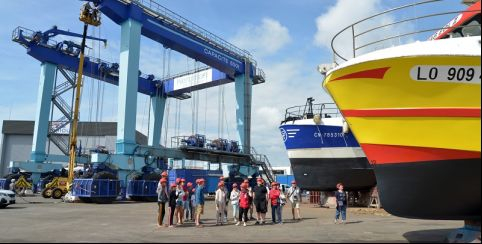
(199, 202)
(180, 192)
(260, 201)
(294, 195)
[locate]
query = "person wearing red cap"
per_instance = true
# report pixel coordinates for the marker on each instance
(250, 195)
(162, 199)
(180, 197)
(294, 195)
(220, 200)
(200, 191)
(234, 197)
(172, 204)
(243, 205)
(274, 196)
(261, 196)
(221, 180)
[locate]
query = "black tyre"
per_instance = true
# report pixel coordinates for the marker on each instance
(137, 177)
(2, 206)
(104, 175)
(57, 193)
(46, 193)
(153, 177)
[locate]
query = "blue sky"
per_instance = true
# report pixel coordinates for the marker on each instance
(283, 35)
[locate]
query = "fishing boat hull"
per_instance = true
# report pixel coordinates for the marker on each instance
(417, 118)
(322, 156)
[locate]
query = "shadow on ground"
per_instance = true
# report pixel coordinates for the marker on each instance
(428, 236)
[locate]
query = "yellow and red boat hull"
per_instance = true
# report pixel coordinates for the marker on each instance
(422, 136)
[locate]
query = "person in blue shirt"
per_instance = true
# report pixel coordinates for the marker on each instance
(200, 190)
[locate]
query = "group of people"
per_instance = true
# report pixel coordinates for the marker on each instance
(186, 200)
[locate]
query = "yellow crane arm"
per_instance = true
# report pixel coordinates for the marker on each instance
(90, 16)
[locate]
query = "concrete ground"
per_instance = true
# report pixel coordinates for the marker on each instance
(53, 221)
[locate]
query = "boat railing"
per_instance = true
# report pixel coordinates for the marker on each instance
(325, 110)
(396, 26)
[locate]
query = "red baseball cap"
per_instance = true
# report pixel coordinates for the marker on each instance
(197, 181)
(178, 180)
(183, 180)
(163, 180)
(173, 185)
(189, 184)
(202, 180)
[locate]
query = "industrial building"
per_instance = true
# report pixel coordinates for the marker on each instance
(17, 137)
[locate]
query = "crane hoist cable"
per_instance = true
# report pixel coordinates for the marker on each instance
(90, 16)
(193, 103)
(197, 96)
(226, 118)
(205, 110)
(168, 74)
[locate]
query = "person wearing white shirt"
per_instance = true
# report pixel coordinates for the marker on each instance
(294, 195)
(235, 201)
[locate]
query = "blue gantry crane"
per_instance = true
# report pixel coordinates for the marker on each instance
(226, 63)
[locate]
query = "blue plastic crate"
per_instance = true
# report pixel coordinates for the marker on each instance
(142, 188)
(3, 184)
(96, 188)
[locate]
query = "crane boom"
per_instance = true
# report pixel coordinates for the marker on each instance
(90, 16)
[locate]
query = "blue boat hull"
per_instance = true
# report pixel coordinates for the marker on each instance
(322, 156)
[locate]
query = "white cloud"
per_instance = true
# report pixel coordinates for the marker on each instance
(264, 39)
(345, 13)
